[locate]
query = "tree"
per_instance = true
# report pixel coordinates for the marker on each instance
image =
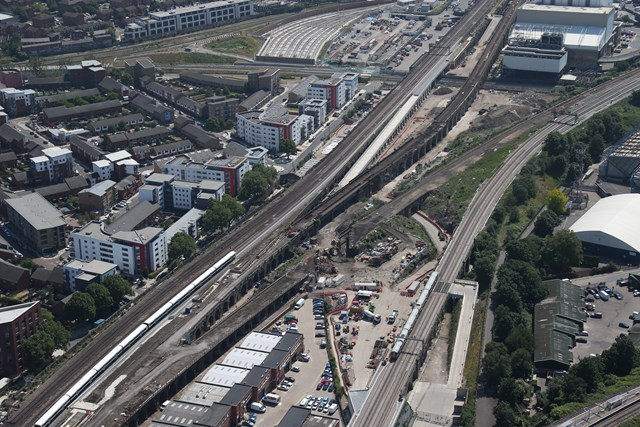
(635, 98)
(521, 364)
(213, 124)
(235, 207)
(507, 320)
(117, 287)
(556, 201)
(484, 268)
(58, 333)
(253, 185)
(28, 263)
(288, 147)
(101, 297)
(182, 245)
(591, 370)
(496, 364)
(217, 216)
(80, 307)
(562, 251)
(37, 350)
(524, 188)
(126, 79)
(556, 166)
(520, 249)
(556, 143)
(505, 415)
(545, 223)
(621, 357)
(512, 391)
(508, 295)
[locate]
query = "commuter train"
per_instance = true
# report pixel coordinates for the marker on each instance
(134, 336)
(400, 339)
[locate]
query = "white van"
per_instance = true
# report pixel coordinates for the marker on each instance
(299, 304)
(164, 404)
(271, 398)
(333, 408)
(257, 407)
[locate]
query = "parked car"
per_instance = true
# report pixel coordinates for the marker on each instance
(290, 379)
(624, 325)
(325, 386)
(581, 340)
(295, 368)
(319, 386)
(305, 357)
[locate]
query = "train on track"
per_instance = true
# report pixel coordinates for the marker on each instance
(400, 340)
(133, 337)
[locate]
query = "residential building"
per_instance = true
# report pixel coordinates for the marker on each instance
(188, 18)
(254, 101)
(55, 164)
(316, 108)
(68, 187)
(141, 215)
(268, 80)
(79, 274)
(222, 107)
(203, 165)
(337, 90)
(18, 102)
(172, 148)
(128, 120)
(13, 278)
(269, 127)
(109, 85)
(134, 252)
(103, 169)
(139, 68)
(123, 140)
(208, 80)
(12, 138)
(187, 223)
(84, 149)
(17, 323)
(196, 134)
(38, 221)
(159, 112)
(56, 115)
(99, 198)
(157, 189)
(171, 193)
(11, 78)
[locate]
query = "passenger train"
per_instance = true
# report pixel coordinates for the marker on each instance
(134, 336)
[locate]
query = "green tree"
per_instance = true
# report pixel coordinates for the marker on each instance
(37, 350)
(484, 269)
(591, 370)
(512, 391)
(217, 215)
(58, 333)
(521, 364)
(621, 357)
(121, 126)
(555, 144)
(496, 364)
(635, 98)
(562, 251)
(253, 185)
(507, 320)
(182, 245)
(28, 263)
(213, 124)
(288, 147)
(126, 79)
(545, 223)
(508, 295)
(80, 307)
(101, 297)
(235, 207)
(117, 287)
(556, 201)
(506, 415)
(524, 188)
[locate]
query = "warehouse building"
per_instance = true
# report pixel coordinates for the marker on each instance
(622, 162)
(558, 319)
(550, 37)
(610, 228)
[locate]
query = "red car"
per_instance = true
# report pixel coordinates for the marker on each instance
(319, 386)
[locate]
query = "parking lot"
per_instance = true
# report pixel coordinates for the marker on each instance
(310, 372)
(603, 332)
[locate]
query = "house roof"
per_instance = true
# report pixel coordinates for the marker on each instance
(11, 313)
(37, 211)
(11, 273)
(132, 219)
(100, 188)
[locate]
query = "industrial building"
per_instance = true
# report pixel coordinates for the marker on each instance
(610, 228)
(188, 18)
(558, 319)
(550, 37)
(622, 161)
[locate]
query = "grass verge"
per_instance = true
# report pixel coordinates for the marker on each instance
(472, 363)
(239, 45)
(190, 58)
(453, 331)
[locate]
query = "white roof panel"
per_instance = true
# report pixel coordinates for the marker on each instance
(243, 358)
(612, 221)
(575, 36)
(260, 341)
(225, 376)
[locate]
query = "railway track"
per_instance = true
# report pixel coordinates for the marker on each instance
(266, 221)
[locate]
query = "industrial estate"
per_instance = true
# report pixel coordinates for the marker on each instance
(366, 213)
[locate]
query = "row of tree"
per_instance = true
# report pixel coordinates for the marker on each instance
(38, 348)
(97, 299)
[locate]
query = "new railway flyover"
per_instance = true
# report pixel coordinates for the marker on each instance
(249, 239)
